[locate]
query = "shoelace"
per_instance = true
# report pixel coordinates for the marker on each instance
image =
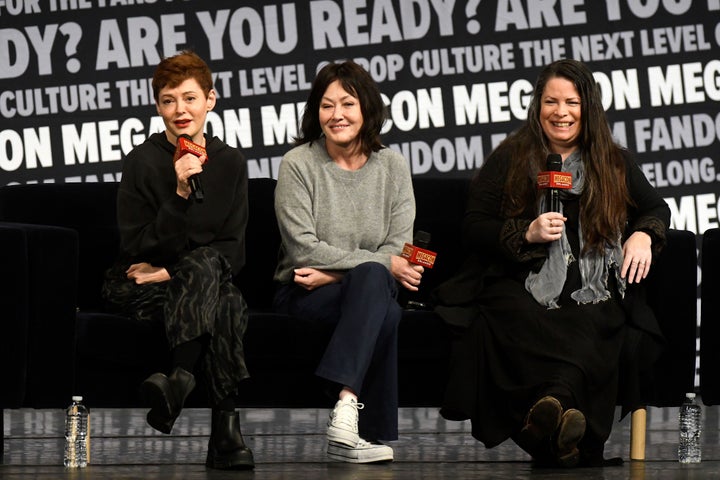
(347, 416)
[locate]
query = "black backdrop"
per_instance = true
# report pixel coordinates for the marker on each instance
(75, 94)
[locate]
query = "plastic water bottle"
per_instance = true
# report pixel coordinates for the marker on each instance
(689, 450)
(77, 434)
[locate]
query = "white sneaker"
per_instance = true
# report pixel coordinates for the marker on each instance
(343, 423)
(364, 452)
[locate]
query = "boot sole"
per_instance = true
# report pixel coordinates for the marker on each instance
(159, 416)
(160, 423)
(542, 421)
(238, 460)
(572, 430)
(544, 417)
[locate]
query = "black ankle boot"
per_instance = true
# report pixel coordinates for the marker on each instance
(166, 396)
(226, 449)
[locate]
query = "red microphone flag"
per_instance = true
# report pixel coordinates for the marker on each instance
(554, 180)
(185, 145)
(418, 256)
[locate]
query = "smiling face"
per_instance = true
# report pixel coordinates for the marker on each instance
(183, 110)
(340, 116)
(560, 115)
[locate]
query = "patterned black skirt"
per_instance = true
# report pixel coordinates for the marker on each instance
(199, 301)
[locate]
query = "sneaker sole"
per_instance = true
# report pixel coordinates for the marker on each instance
(342, 437)
(341, 454)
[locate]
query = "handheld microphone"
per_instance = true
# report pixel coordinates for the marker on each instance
(186, 145)
(553, 180)
(418, 254)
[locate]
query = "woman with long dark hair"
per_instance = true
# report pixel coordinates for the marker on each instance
(540, 305)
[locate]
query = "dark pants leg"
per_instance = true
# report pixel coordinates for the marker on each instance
(198, 302)
(362, 351)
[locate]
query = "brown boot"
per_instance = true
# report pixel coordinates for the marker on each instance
(227, 449)
(541, 423)
(166, 396)
(571, 431)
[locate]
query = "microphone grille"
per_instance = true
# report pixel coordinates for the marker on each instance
(422, 239)
(554, 162)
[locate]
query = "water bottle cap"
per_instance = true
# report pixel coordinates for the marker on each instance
(690, 395)
(77, 398)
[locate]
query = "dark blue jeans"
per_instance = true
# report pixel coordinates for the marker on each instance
(362, 351)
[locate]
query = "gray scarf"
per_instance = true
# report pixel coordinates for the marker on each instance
(547, 284)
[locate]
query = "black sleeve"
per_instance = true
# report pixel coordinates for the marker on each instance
(151, 217)
(486, 230)
(649, 212)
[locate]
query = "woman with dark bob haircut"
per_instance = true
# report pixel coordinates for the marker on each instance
(179, 252)
(345, 208)
(352, 80)
(549, 301)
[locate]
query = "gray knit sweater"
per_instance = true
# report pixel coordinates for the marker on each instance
(335, 219)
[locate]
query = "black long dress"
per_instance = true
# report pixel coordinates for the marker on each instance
(509, 350)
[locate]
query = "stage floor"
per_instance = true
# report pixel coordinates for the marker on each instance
(290, 444)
